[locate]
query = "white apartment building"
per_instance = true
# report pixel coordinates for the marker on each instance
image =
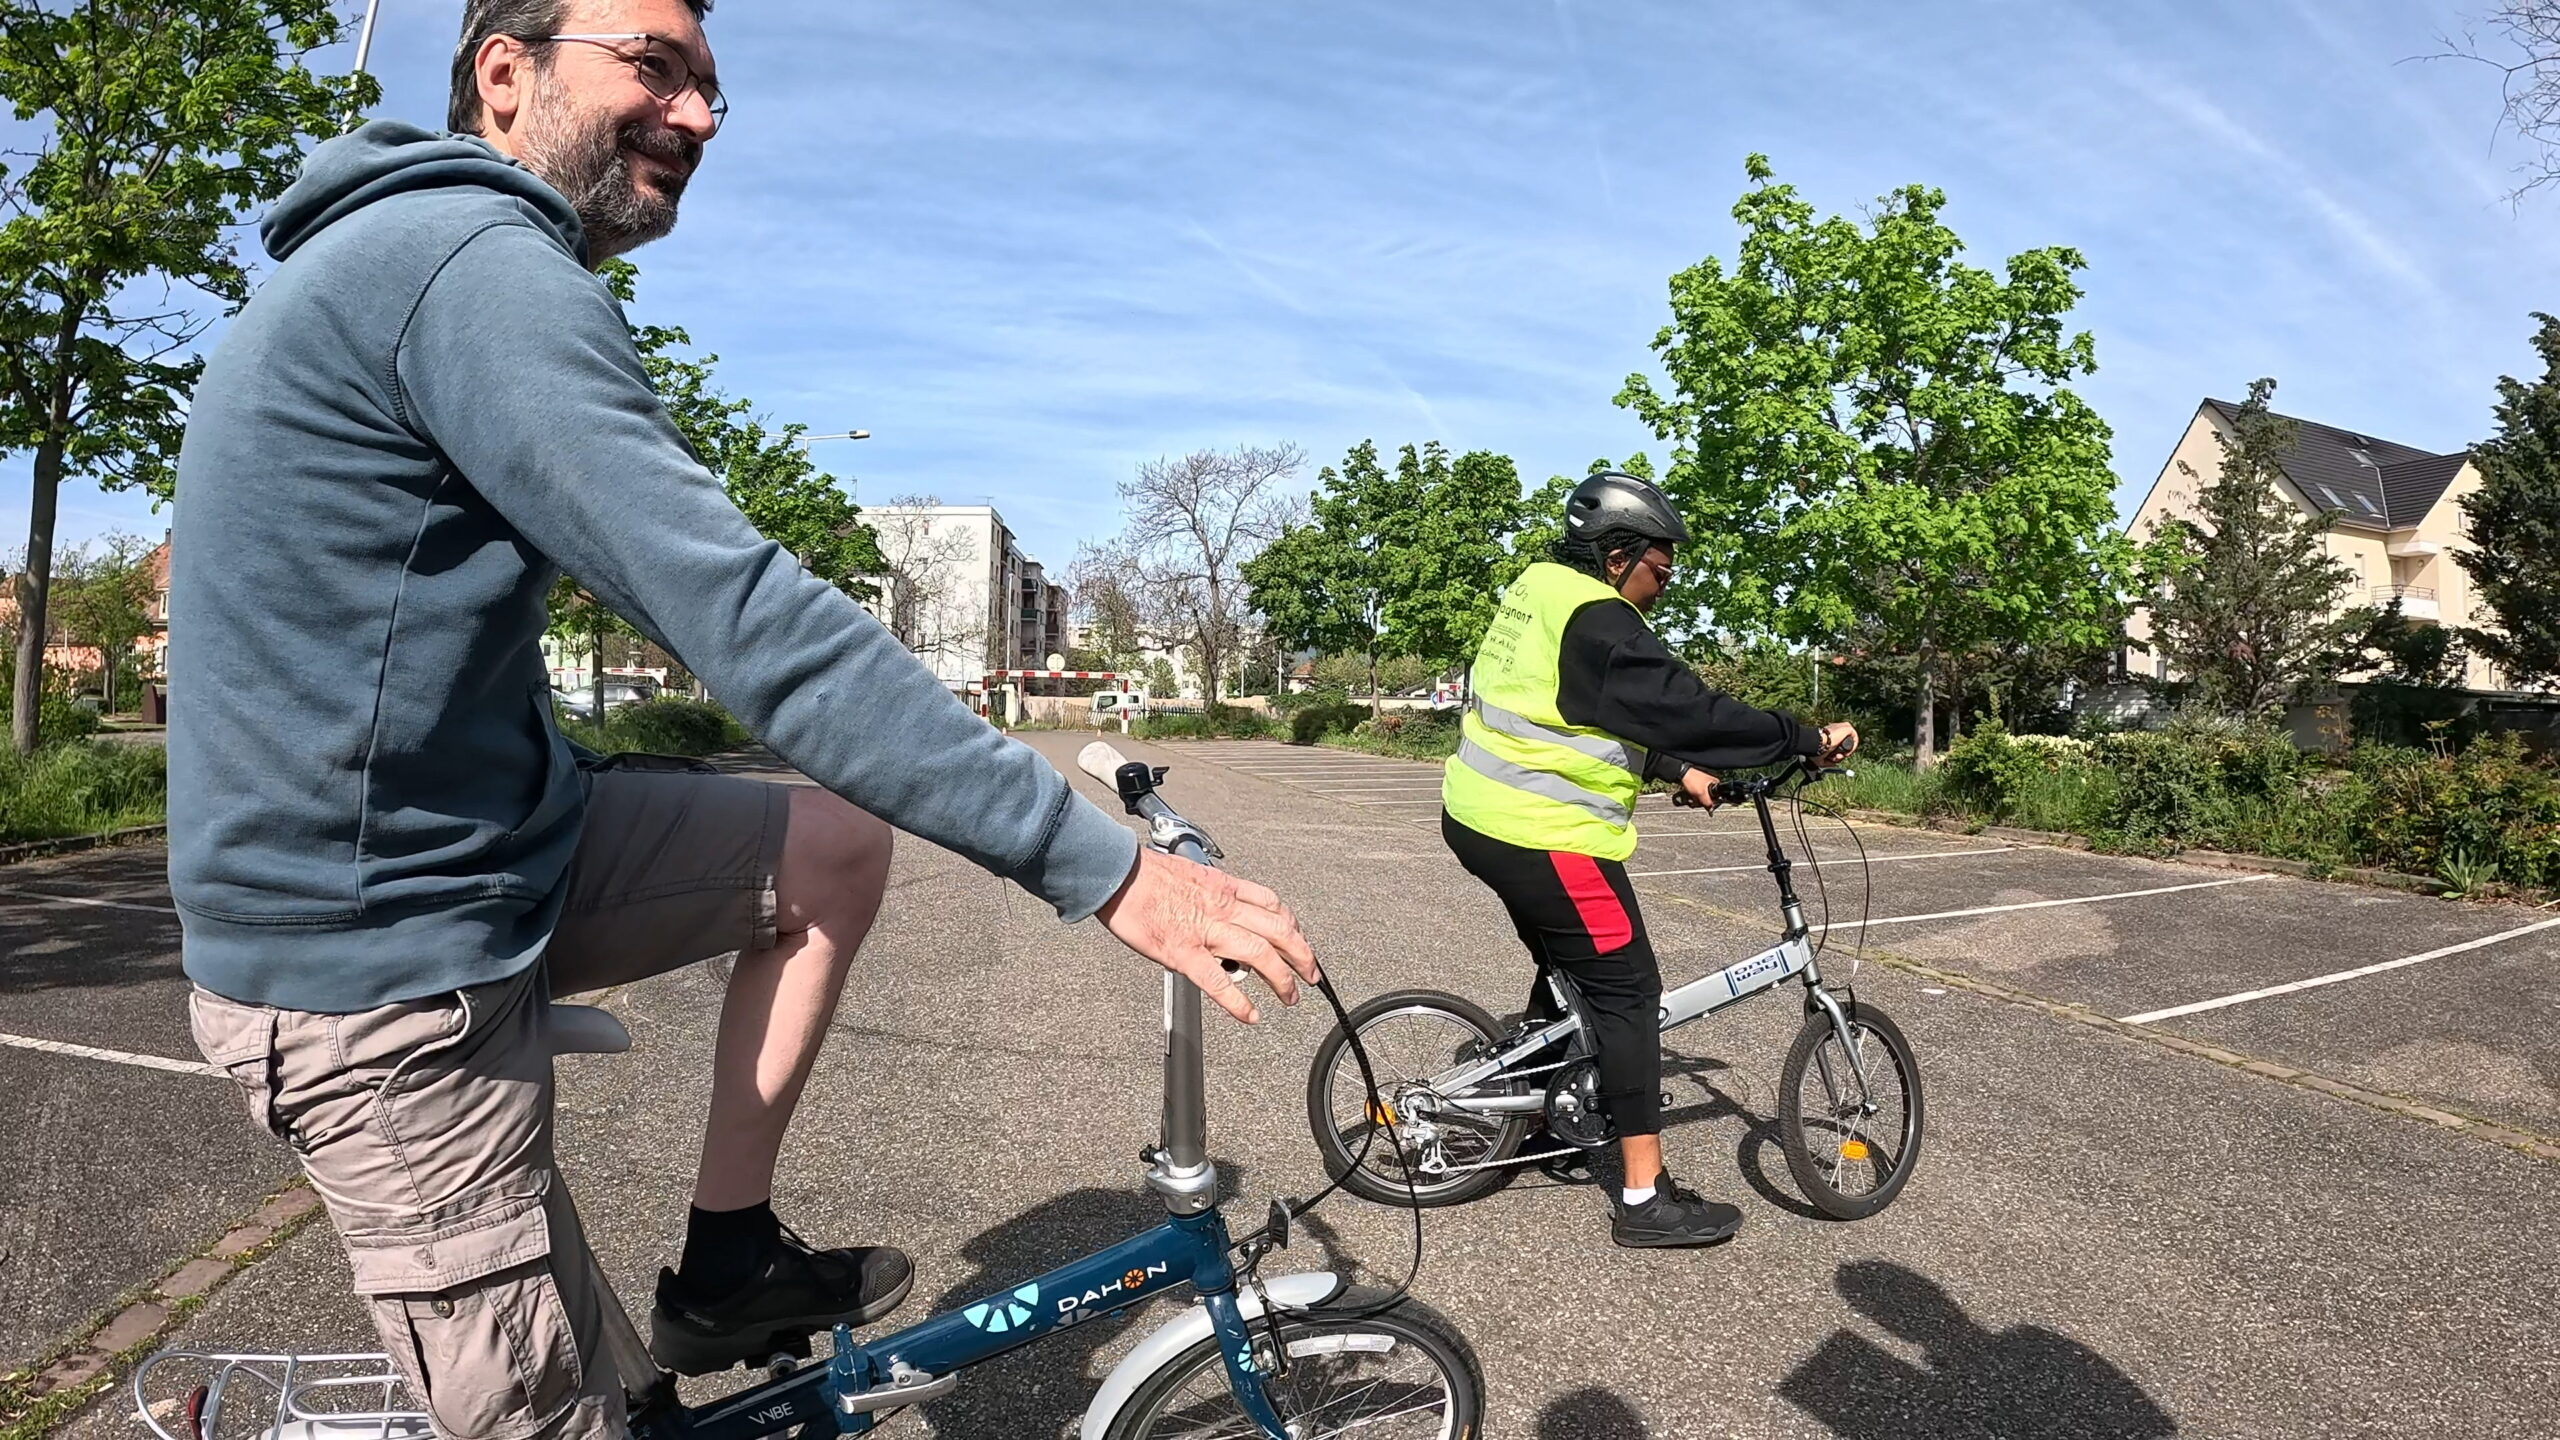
(962, 595)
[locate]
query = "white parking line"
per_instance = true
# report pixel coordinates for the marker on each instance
(113, 1057)
(2047, 904)
(1842, 859)
(2149, 1017)
(100, 904)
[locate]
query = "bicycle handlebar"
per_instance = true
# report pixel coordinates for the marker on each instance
(1735, 792)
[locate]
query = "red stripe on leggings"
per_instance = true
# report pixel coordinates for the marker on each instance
(1598, 905)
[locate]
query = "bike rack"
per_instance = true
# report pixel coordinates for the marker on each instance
(366, 1387)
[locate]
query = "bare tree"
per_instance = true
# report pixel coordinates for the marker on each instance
(1110, 616)
(2524, 48)
(927, 599)
(1192, 523)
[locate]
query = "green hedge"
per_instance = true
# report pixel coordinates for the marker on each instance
(667, 725)
(1226, 722)
(2485, 820)
(1311, 723)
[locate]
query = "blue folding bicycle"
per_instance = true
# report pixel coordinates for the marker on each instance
(1290, 1357)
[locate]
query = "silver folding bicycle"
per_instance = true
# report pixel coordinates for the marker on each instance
(1459, 1093)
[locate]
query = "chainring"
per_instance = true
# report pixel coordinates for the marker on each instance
(1574, 1113)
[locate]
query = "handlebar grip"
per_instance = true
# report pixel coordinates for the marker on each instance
(1102, 762)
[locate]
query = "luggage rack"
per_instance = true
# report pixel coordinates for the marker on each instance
(289, 1397)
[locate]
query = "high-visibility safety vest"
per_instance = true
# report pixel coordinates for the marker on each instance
(1521, 774)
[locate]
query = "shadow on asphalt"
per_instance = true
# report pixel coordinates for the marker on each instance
(1591, 1413)
(79, 948)
(2022, 1383)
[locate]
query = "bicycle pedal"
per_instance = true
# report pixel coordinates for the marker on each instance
(786, 1348)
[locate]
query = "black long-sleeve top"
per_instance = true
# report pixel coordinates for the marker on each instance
(1616, 676)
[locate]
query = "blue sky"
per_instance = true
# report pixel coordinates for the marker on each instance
(1029, 245)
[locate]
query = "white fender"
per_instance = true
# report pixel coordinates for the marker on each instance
(1187, 1329)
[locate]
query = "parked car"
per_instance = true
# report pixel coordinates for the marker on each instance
(581, 702)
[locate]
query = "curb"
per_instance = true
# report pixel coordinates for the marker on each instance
(76, 1372)
(67, 844)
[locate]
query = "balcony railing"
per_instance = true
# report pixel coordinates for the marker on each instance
(2417, 602)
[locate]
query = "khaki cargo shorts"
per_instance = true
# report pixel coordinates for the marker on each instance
(426, 1126)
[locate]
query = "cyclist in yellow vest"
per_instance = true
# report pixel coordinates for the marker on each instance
(1577, 703)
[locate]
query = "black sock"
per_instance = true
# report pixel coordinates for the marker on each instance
(723, 1249)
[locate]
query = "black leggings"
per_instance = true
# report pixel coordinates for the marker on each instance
(1579, 915)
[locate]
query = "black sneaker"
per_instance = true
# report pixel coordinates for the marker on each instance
(1675, 1216)
(799, 1291)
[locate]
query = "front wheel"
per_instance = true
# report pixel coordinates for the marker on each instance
(1403, 1375)
(1850, 1145)
(1419, 1149)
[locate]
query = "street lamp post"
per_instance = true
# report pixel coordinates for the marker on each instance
(847, 435)
(364, 37)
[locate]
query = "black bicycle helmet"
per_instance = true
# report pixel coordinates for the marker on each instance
(1613, 502)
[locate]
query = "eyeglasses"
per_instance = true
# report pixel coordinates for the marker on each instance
(663, 71)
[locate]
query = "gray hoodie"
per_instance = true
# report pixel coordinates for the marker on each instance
(427, 412)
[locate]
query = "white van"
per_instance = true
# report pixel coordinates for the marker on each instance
(1110, 705)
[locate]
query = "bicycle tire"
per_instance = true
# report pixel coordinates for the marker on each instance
(1825, 1195)
(1200, 1369)
(1333, 1064)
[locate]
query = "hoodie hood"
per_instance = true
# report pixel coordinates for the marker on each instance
(392, 157)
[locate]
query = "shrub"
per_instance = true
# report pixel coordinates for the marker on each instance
(1235, 722)
(673, 725)
(81, 788)
(59, 718)
(2489, 811)
(1313, 722)
(1181, 725)
(2048, 781)
(1414, 737)
(2189, 781)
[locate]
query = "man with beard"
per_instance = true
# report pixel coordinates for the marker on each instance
(385, 856)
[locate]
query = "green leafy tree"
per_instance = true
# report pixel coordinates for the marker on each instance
(1448, 551)
(150, 130)
(1867, 432)
(102, 599)
(2248, 608)
(766, 470)
(2514, 523)
(1161, 681)
(1322, 585)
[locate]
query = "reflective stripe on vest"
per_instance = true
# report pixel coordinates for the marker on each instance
(1539, 783)
(1598, 747)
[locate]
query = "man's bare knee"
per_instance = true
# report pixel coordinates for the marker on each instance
(835, 862)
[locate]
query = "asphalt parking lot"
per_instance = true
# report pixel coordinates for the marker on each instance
(2161, 1227)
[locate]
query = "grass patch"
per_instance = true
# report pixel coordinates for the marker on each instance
(81, 788)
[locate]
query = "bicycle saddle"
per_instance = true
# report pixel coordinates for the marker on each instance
(584, 1030)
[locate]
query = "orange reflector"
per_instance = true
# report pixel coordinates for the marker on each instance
(1853, 1149)
(1381, 1113)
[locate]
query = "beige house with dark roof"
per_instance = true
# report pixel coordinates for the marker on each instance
(2396, 521)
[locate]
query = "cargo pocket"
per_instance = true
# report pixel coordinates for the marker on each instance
(472, 1317)
(241, 1041)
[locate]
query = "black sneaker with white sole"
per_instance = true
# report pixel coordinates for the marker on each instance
(799, 1291)
(1674, 1216)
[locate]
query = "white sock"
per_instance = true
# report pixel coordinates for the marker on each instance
(1635, 1196)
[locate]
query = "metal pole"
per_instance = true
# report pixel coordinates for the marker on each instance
(364, 37)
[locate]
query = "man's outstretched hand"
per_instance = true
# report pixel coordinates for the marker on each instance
(1187, 917)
